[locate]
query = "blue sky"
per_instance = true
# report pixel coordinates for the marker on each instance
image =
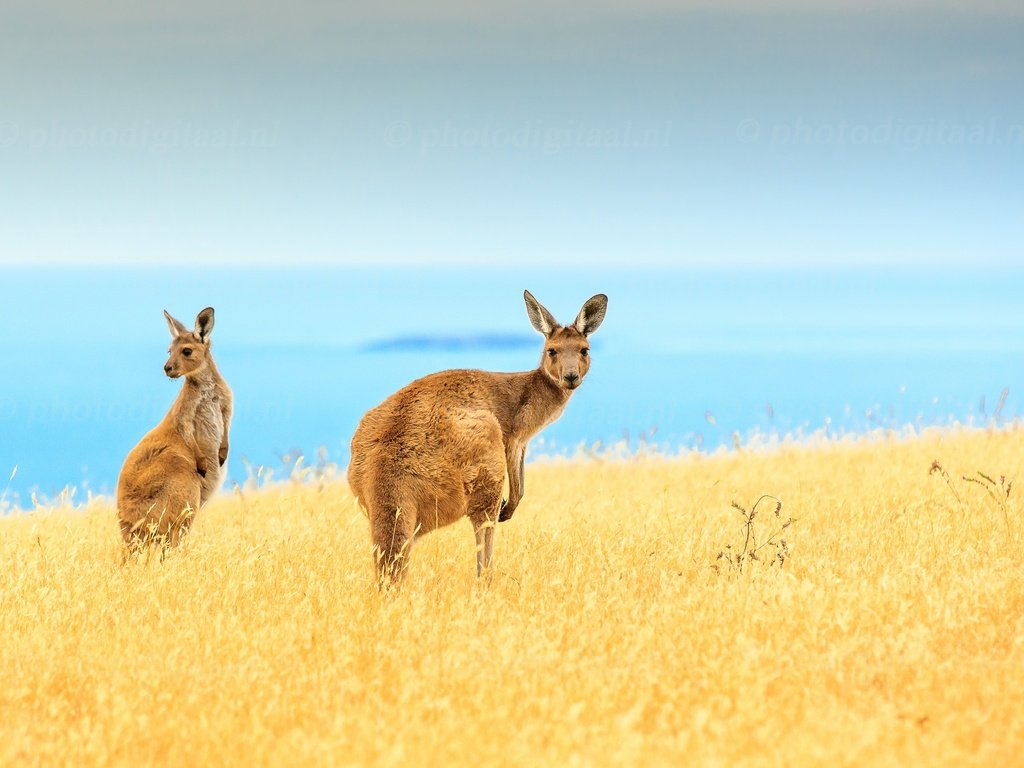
(726, 134)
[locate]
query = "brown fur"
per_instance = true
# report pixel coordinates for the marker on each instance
(175, 468)
(441, 448)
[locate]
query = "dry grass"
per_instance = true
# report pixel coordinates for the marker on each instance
(892, 634)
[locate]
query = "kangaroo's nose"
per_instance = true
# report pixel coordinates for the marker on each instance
(167, 368)
(572, 379)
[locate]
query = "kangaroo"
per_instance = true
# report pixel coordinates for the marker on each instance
(441, 448)
(175, 468)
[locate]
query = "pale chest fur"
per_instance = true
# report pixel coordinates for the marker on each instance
(534, 418)
(202, 419)
(208, 424)
(552, 416)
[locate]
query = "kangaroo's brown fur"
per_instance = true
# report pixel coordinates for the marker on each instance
(441, 448)
(175, 468)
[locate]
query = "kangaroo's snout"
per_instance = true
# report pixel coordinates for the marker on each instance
(169, 370)
(572, 380)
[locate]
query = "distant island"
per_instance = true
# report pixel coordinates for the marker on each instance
(498, 341)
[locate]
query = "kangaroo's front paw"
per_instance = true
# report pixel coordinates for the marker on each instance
(201, 468)
(505, 513)
(222, 454)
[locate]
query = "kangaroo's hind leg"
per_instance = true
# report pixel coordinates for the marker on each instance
(393, 528)
(484, 506)
(172, 517)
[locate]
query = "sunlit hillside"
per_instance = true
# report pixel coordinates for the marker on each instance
(624, 625)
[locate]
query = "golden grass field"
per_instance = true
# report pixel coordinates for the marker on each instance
(892, 635)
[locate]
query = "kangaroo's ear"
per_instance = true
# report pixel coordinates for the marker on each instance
(175, 326)
(540, 318)
(591, 315)
(204, 324)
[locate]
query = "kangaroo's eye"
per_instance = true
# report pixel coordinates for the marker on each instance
(552, 353)
(584, 352)
(187, 352)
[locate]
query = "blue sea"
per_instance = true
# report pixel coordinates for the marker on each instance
(685, 359)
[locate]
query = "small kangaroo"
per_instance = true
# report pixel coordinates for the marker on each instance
(175, 468)
(440, 448)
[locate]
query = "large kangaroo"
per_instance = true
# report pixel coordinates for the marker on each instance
(441, 448)
(175, 468)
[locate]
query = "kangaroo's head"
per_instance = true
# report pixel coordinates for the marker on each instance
(190, 350)
(566, 357)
